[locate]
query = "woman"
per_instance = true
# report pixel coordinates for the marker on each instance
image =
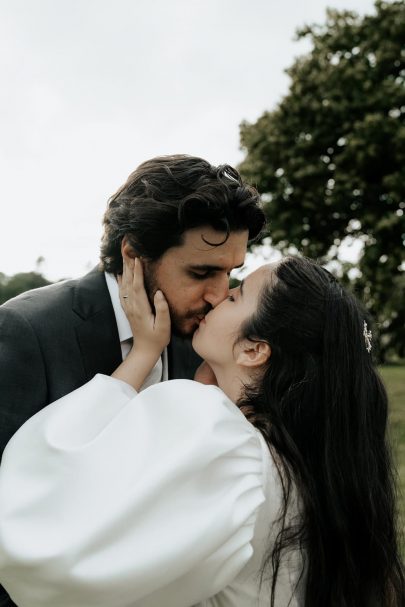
(275, 487)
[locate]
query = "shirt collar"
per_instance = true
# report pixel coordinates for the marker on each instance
(124, 328)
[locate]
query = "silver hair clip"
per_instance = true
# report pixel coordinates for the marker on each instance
(367, 337)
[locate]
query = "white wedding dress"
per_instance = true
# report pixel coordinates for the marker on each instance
(166, 498)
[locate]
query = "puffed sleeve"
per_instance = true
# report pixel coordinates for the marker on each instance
(110, 498)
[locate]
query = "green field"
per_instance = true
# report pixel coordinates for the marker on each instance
(394, 379)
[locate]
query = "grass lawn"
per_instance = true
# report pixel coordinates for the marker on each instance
(394, 379)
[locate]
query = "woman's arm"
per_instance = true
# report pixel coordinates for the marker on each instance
(143, 501)
(151, 331)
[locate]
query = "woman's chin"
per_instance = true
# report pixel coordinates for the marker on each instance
(195, 343)
(194, 339)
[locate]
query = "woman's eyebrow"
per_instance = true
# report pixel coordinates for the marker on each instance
(241, 287)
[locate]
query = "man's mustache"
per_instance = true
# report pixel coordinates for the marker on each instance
(202, 312)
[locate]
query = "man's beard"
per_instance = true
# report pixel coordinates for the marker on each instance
(178, 321)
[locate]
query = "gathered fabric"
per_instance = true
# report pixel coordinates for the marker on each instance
(113, 498)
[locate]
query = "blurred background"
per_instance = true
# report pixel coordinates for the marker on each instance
(306, 98)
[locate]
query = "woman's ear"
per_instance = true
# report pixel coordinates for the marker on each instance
(253, 353)
(127, 250)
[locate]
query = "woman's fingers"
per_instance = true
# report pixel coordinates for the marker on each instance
(133, 295)
(125, 281)
(132, 290)
(146, 326)
(138, 286)
(162, 316)
(161, 305)
(121, 283)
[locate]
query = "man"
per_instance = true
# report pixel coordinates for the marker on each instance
(190, 223)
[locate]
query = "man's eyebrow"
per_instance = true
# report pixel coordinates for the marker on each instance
(206, 267)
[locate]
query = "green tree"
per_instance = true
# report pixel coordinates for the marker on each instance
(11, 286)
(330, 158)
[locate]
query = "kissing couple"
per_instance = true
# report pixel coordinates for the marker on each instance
(205, 446)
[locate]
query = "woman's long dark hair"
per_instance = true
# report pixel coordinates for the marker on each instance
(323, 408)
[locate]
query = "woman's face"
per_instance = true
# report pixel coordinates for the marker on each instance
(215, 338)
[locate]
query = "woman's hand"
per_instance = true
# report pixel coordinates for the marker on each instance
(151, 331)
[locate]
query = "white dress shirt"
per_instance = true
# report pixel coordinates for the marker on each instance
(160, 370)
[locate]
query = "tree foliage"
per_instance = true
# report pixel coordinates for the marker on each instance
(330, 159)
(11, 286)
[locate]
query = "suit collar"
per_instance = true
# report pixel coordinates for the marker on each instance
(91, 295)
(97, 334)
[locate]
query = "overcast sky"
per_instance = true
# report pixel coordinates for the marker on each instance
(91, 88)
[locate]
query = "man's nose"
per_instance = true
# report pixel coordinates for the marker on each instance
(217, 290)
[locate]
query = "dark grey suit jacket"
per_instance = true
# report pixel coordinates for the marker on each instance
(55, 339)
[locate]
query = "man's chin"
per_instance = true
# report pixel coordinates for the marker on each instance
(184, 328)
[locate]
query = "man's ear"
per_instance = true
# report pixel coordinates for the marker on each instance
(127, 250)
(253, 353)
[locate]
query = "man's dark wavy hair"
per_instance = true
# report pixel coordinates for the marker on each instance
(322, 409)
(166, 196)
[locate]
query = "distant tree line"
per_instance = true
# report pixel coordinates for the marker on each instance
(11, 286)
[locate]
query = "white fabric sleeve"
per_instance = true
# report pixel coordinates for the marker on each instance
(110, 498)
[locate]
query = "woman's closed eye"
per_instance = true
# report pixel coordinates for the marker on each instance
(231, 298)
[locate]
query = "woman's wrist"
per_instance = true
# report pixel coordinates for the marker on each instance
(136, 367)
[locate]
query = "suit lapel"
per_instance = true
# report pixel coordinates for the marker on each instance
(96, 330)
(183, 361)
